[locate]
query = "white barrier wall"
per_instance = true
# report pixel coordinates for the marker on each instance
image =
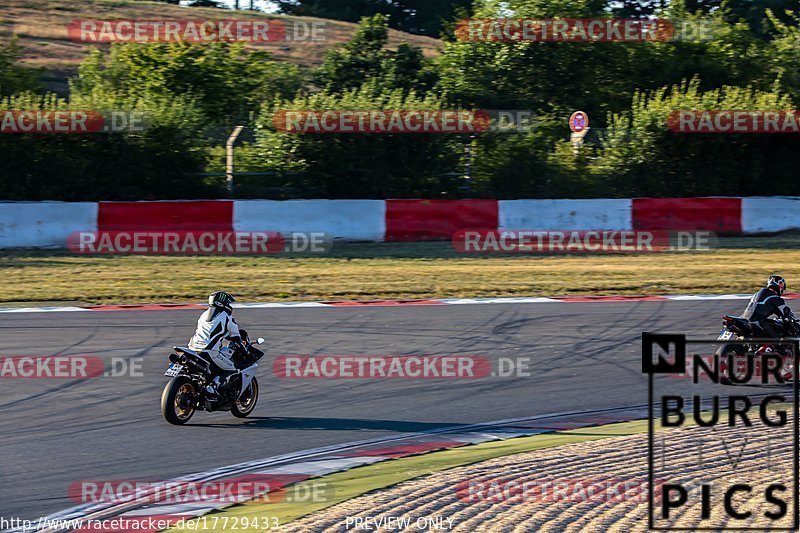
(357, 220)
(766, 215)
(44, 224)
(599, 214)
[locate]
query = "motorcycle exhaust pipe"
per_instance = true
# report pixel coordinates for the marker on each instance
(179, 359)
(185, 360)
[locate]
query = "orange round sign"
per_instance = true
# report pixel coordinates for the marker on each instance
(578, 122)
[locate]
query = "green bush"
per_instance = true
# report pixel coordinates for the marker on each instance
(640, 156)
(161, 161)
(360, 165)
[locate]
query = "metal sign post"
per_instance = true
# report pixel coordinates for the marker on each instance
(229, 162)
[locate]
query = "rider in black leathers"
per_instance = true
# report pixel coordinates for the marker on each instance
(766, 303)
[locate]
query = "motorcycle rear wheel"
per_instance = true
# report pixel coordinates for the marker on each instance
(245, 404)
(177, 400)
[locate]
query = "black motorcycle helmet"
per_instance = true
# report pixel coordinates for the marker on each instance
(777, 284)
(222, 300)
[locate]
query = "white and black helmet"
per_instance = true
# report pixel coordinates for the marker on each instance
(221, 299)
(777, 284)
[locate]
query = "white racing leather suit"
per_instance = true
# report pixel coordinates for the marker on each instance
(213, 327)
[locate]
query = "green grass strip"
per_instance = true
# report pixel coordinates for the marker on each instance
(364, 271)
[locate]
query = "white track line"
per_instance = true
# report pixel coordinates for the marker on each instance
(391, 303)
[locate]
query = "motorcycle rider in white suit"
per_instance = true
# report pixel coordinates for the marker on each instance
(214, 326)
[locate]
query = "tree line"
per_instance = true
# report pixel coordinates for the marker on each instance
(746, 58)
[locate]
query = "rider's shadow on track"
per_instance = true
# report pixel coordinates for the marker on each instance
(334, 424)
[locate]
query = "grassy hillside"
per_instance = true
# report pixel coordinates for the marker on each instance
(42, 29)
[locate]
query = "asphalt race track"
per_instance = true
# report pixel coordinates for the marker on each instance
(57, 432)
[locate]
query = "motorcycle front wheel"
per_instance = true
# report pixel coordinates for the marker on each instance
(178, 400)
(243, 406)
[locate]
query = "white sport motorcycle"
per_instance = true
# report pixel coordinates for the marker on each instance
(193, 371)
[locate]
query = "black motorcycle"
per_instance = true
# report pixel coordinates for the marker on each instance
(734, 357)
(192, 372)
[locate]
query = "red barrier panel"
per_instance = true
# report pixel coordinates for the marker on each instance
(427, 220)
(720, 215)
(161, 216)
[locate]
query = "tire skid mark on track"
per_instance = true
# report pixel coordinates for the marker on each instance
(594, 353)
(57, 388)
(77, 383)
